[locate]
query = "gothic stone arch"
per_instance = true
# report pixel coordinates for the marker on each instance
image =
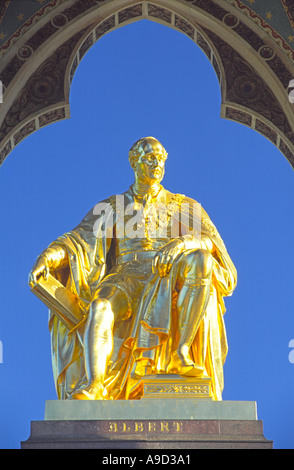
(254, 63)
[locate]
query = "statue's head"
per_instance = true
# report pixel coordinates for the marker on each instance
(147, 158)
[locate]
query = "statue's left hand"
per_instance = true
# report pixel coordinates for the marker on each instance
(165, 257)
(40, 268)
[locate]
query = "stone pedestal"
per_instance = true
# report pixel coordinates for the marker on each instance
(178, 423)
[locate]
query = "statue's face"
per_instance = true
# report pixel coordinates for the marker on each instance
(150, 165)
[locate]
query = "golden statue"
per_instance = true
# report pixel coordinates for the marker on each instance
(150, 271)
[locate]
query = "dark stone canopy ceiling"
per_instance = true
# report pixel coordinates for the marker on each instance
(250, 44)
(17, 16)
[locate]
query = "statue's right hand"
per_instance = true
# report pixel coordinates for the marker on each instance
(40, 269)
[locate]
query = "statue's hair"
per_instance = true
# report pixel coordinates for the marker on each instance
(137, 148)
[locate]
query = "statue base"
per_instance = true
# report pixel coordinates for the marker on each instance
(175, 386)
(148, 424)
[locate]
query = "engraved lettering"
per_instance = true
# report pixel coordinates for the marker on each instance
(112, 427)
(139, 427)
(126, 428)
(178, 426)
(151, 426)
(164, 427)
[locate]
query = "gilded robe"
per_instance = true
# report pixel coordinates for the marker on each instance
(142, 340)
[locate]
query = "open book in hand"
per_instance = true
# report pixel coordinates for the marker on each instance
(64, 304)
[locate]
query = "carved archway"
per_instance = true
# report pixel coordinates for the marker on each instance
(254, 64)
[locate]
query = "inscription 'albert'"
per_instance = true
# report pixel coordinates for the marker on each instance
(145, 426)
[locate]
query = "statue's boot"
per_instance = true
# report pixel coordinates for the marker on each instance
(98, 346)
(183, 365)
(191, 306)
(91, 392)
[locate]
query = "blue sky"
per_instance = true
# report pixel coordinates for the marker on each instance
(146, 79)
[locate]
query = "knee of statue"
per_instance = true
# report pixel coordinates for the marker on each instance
(201, 262)
(100, 311)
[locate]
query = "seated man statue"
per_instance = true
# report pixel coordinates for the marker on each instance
(153, 271)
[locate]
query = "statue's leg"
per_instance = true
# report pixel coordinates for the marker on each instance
(98, 339)
(194, 279)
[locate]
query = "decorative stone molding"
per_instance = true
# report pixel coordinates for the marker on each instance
(253, 64)
(174, 387)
